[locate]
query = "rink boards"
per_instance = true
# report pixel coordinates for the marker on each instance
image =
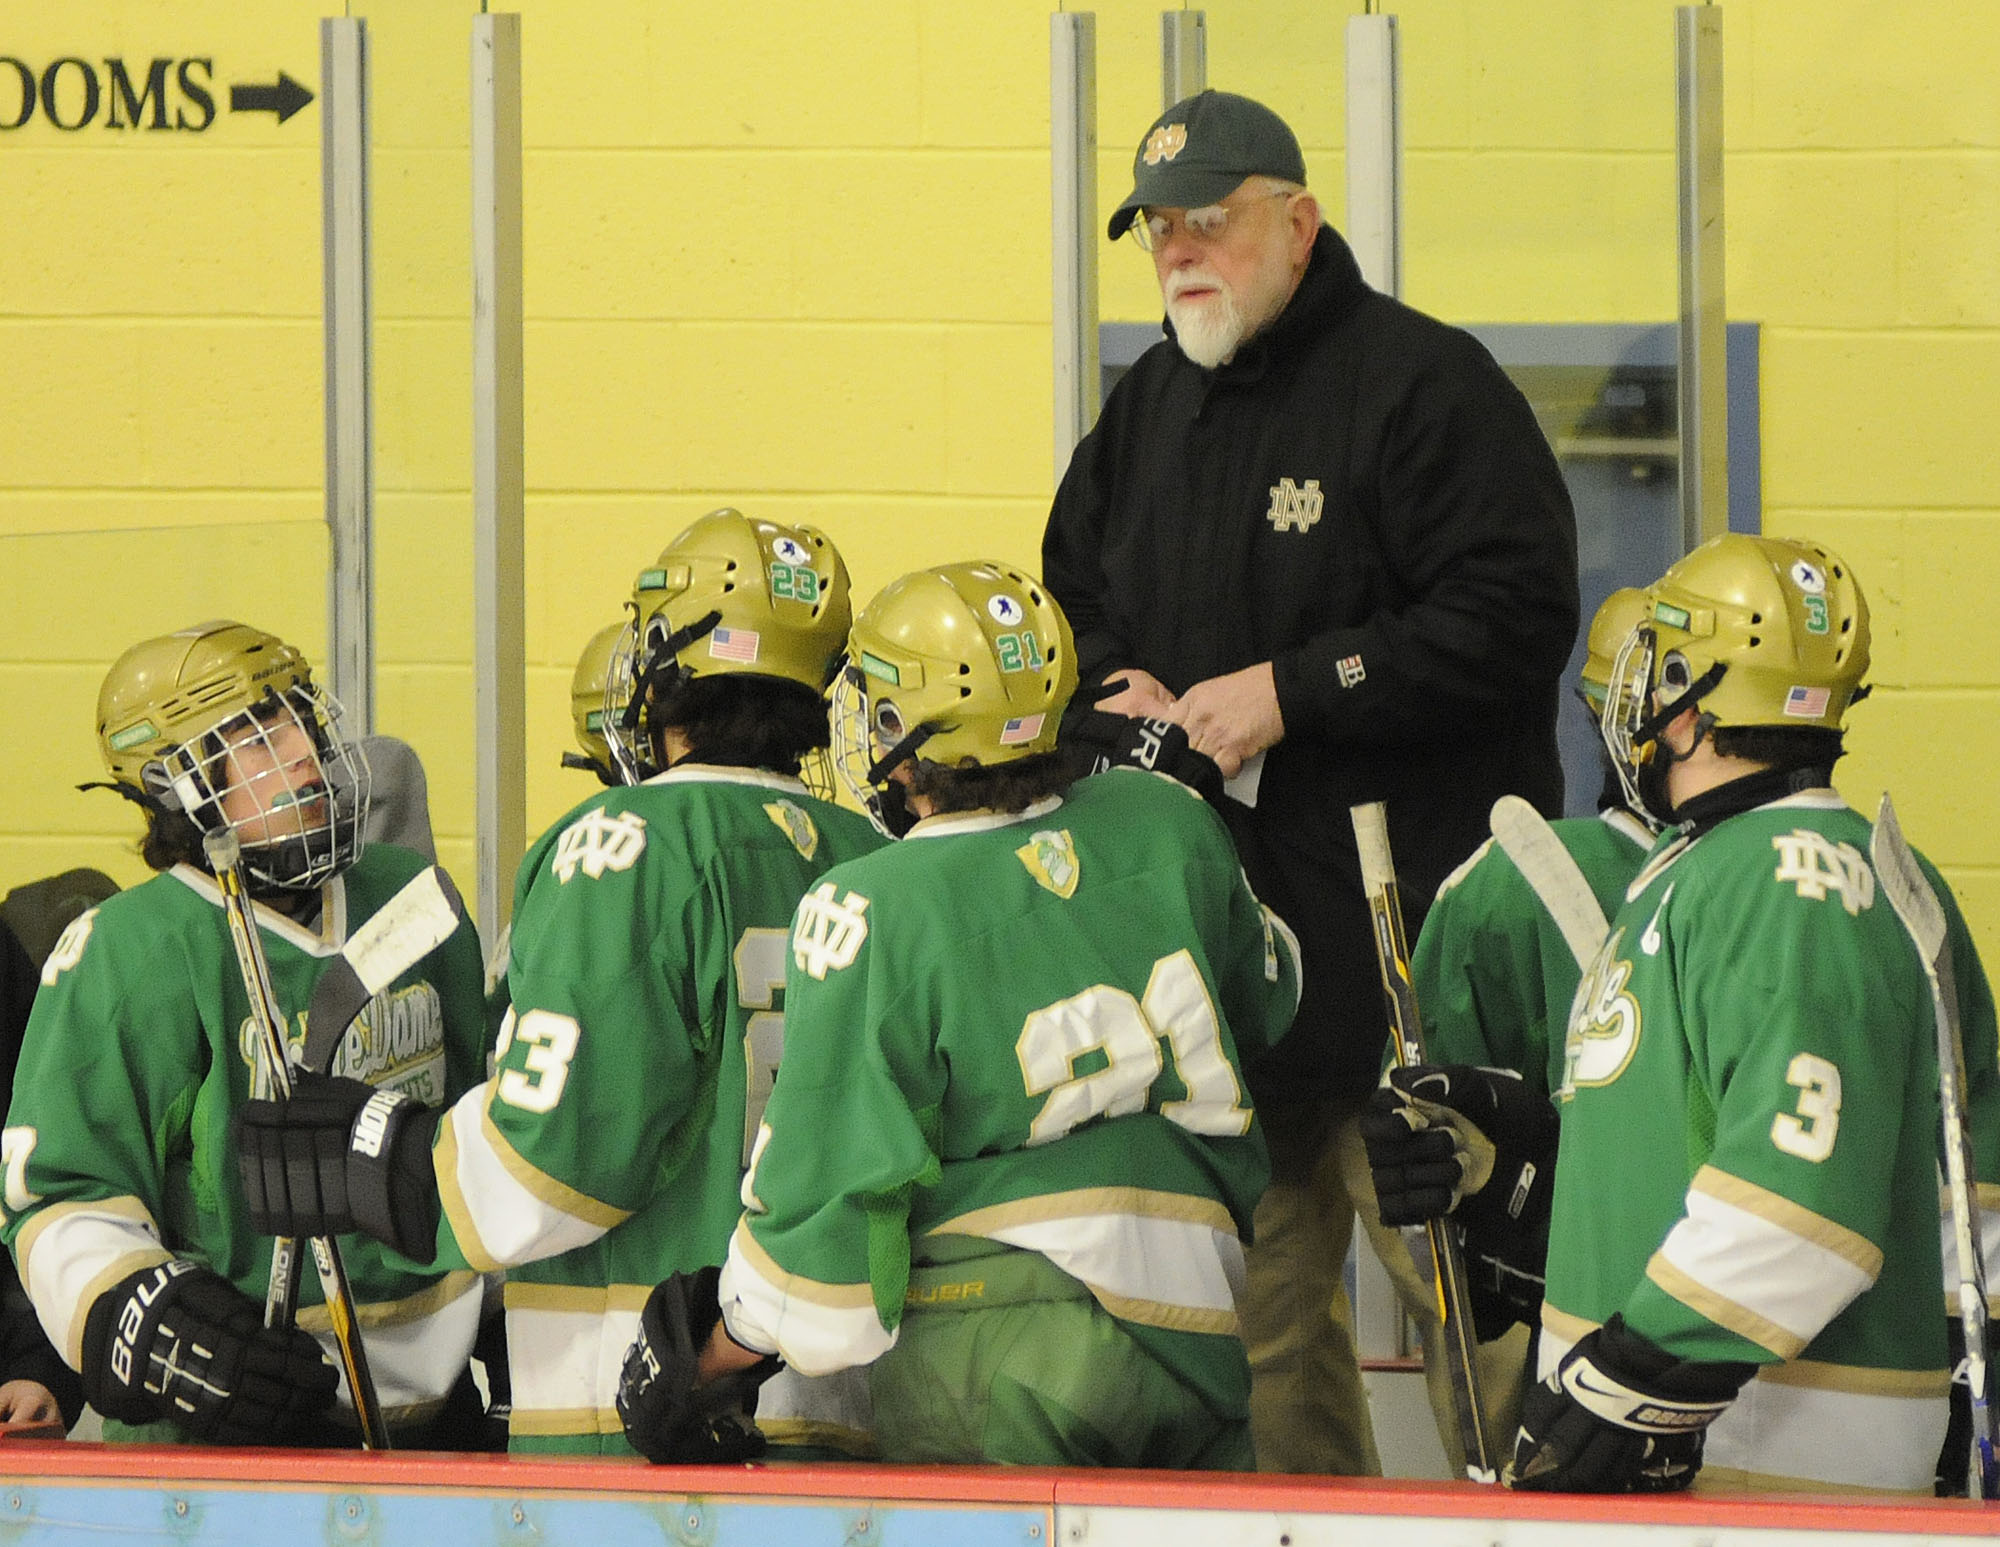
(69, 1493)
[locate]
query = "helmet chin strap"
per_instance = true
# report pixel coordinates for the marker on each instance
(892, 800)
(1651, 777)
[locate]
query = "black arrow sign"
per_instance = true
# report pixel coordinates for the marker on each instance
(284, 99)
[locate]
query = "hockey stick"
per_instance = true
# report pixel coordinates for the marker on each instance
(225, 861)
(1552, 873)
(403, 931)
(1922, 915)
(1392, 955)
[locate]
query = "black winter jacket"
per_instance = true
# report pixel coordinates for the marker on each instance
(1364, 499)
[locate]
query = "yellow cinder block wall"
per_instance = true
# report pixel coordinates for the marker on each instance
(795, 257)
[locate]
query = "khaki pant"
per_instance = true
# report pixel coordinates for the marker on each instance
(1308, 1409)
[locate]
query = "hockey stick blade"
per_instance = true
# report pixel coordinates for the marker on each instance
(1551, 871)
(1921, 913)
(404, 930)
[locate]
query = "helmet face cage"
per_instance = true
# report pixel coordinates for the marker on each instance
(599, 689)
(1626, 696)
(625, 741)
(280, 776)
(856, 745)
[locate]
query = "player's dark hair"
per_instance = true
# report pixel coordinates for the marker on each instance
(742, 720)
(170, 839)
(1008, 787)
(1782, 746)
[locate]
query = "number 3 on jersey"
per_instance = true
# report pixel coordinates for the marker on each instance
(1116, 1040)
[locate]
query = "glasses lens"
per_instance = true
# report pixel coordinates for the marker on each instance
(1208, 221)
(1149, 230)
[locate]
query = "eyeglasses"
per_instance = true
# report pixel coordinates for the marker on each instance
(1154, 229)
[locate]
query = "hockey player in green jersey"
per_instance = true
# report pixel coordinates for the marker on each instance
(648, 967)
(123, 1208)
(1746, 1207)
(1010, 1162)
(1495, 968)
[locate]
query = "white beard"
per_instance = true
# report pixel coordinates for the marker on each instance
(1209, 331)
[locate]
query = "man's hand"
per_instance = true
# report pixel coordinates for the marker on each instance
(181, 1342)
(1230, 719)
(26, 1403)
(1620, 1415)
(340, 1155)
(1142, 696)
(1480, 1145)
(681, 1398)
(1442, 1136)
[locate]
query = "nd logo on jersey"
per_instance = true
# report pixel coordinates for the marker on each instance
(596, 843)
(827, 935)
(1603, 1023)
(1816, 865)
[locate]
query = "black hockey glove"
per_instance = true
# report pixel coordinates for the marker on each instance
(181, 1342)
(667, 1416)
(1452, 1138)
(1620, 1415)
(340, 1155)
(1479, 1145)
(1097, 741)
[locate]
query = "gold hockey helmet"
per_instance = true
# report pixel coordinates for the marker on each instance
(223, 722)
(968, 661)
(1613, 621)
(1750, 631)
(599, 690)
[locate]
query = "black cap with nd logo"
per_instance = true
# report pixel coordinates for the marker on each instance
(1200, 150)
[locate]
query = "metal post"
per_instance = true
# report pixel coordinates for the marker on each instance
(499, 601)
(1704, 395)
(1375, 150)
(1073, 179)
(1183, 56)
(350, 429)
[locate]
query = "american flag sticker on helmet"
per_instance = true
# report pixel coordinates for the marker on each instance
(1014, 732)
(1806, 703)
(734, 644)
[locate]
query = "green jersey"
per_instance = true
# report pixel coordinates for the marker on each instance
(1493, 974)
(607, 1151)
(1021, 1033)
(1749, 1143)
(140, 1048)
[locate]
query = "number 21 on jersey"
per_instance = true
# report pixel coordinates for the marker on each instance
(1097, 1054)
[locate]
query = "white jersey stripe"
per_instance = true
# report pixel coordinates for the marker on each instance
(70, 1253)
(819, 1328)
(567, 1360)
(1152, 1268)
(1755, 1274)
(495, 1216)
